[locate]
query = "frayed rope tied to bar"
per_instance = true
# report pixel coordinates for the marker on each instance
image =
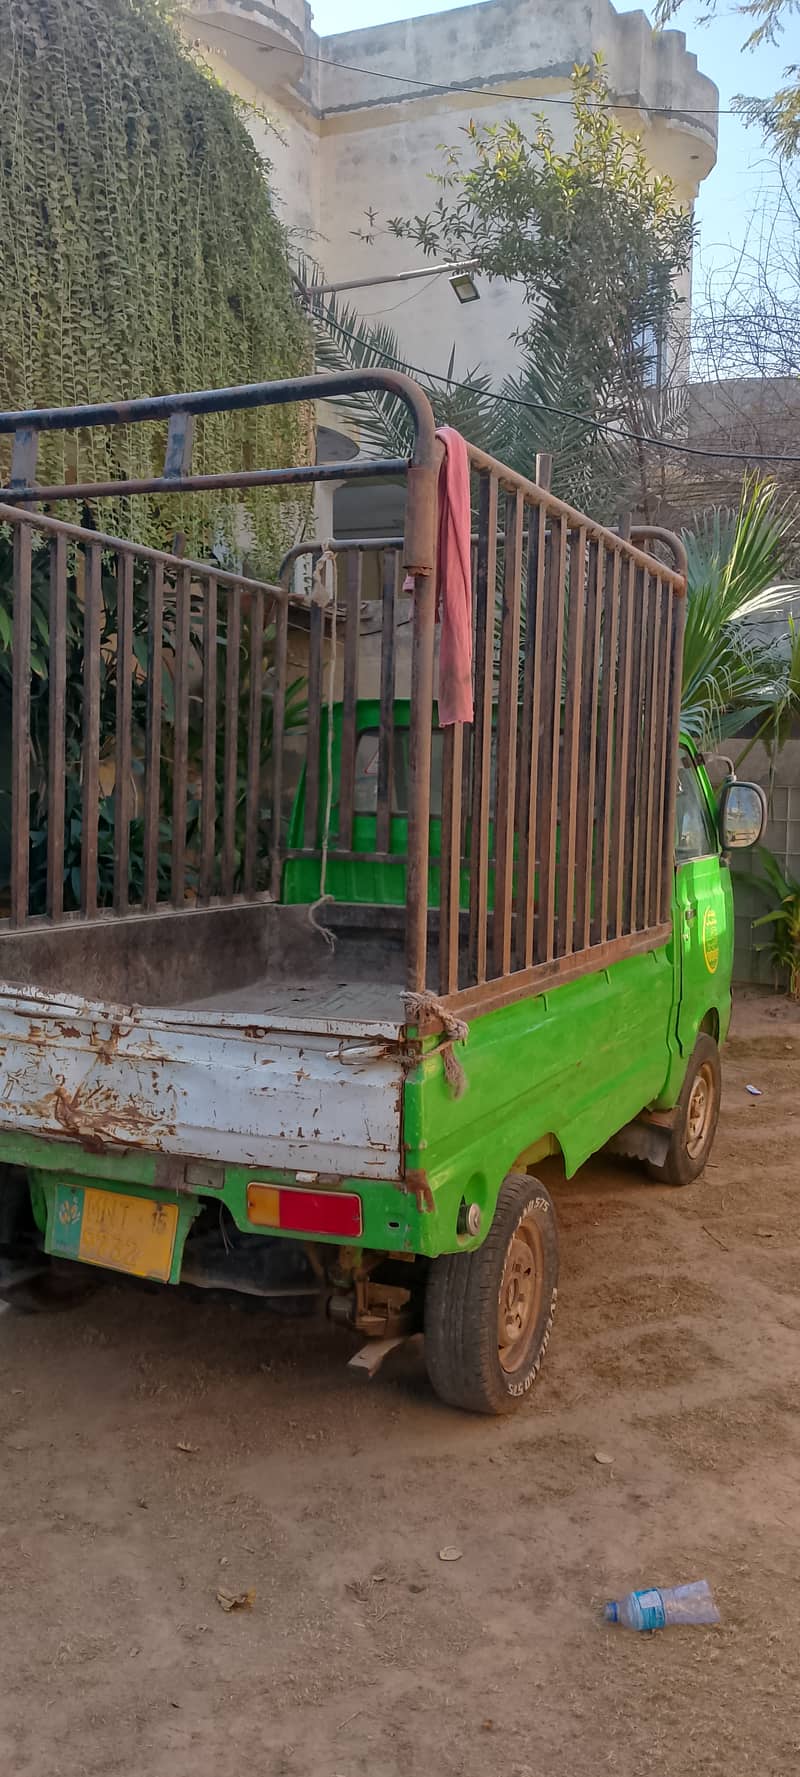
(420, 1007)
(323, 593)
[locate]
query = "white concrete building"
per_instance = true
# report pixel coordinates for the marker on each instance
(357, 122)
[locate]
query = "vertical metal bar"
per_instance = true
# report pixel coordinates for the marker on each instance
(529, 738)
(152, 780)
(649, 731)
(482, 732)
(253, 791)
(466, 780)
(56, 743)
(208, 793)
(661, 745)
(314, 732)
(230, 763)
(635, 783)
(180, 438)
(619, 814)
(122, 766)
(673, 735)
(568, 788)
(420, 782)
(21, 726)
(91, 730)
(549, 737)
(450, 859)
(605, 743)
(507, 705)
(383, 823)
(24, 451)
(278, 725)
(588, 834)
(180, 730)
(347, 767)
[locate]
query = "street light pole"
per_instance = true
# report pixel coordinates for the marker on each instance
(459, 272)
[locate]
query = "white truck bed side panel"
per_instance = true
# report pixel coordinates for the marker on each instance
(202, 1085)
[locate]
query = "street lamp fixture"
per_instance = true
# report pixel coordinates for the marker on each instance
(465, 287)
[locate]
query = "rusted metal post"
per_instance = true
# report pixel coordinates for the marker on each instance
(420, 782)
(20, 727)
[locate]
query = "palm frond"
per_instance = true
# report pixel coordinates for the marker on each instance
(730, 676)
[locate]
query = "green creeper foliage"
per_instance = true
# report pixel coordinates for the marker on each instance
(140, 254)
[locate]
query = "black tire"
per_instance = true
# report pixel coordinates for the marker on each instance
(696, 1118)
(466, 1362)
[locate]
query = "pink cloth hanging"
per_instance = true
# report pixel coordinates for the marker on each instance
(454, 581)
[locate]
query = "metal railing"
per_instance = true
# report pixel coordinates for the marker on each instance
(557, 807)
(557, 810)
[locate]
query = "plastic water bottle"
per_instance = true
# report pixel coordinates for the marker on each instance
(660, 1606)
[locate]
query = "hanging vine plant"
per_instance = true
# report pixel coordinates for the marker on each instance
(140, 254)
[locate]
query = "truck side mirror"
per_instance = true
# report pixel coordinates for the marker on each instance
(742, 815)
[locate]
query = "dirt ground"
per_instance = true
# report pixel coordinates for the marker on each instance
(155, 1450)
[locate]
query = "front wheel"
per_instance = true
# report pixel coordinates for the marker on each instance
(696, 1118)
(489, 1313)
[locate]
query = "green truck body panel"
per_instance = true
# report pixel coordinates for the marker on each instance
(561, 1071)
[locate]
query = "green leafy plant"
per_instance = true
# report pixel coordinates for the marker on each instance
(595, 237)
(108, 669)
(784, 917)
(730, 677)
(140, 254)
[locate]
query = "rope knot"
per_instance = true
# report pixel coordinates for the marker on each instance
(323, 580)
(421, 1006)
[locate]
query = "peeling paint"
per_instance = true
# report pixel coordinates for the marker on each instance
(197, 1088)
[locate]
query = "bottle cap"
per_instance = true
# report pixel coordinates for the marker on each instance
(611, 1613)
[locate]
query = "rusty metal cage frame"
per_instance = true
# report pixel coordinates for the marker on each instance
(577, 718)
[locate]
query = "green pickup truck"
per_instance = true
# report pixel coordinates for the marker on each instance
(318, 1056)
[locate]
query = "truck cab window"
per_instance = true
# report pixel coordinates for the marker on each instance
(694, 834)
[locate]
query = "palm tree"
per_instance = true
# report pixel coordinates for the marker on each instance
(540, 408)
(731, 676)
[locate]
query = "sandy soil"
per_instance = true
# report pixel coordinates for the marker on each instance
(676, 1351)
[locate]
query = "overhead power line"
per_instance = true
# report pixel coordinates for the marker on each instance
(479, 92)
(565, 413)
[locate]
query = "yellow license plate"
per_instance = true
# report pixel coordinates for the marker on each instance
(128, 1233)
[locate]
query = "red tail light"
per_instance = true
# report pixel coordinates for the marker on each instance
(305, 1212)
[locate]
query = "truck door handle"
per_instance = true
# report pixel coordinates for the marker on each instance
(690, 915)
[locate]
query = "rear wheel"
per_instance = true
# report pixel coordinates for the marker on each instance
(696, 1118)
(489, 1313)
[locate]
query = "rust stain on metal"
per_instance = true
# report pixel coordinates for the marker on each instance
(98, 1119)
(416, 1182)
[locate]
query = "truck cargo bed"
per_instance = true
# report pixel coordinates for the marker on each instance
(256, 1061)
(352, 1007)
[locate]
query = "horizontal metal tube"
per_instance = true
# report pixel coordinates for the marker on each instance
(357, 469)
(58, 527)
(320, 387)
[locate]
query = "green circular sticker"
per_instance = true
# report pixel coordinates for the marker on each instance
(711, 940)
